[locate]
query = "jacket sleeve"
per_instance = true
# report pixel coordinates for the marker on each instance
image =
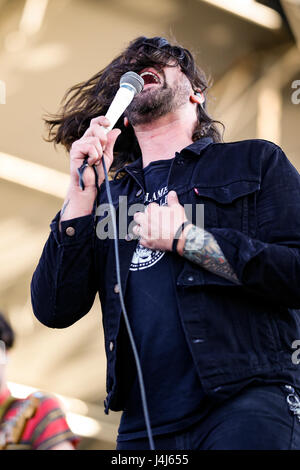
(269, 265)
(63, 286)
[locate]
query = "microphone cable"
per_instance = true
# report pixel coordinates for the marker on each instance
(136, 357)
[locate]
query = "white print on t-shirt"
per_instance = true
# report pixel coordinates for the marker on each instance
(143, 257)
(160, 197)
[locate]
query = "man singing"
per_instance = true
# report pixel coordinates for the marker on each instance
(213, 307)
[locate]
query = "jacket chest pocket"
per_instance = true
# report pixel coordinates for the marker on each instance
(229, 206)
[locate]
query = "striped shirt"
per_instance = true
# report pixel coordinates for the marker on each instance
(47, 427)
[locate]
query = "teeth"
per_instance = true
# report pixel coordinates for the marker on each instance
(152, 75)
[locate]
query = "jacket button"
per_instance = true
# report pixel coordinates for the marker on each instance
(191, 278)
(139, 192)
(70, 231)
(129, 237)
(111, 346)
(116, 289)
(180, 161)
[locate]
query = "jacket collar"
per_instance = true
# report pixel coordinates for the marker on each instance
(135, 168)
(196, 147)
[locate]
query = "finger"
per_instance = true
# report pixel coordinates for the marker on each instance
(99, 136)
(111, 140)
(152, 207)
(94, 141)
(101, 120)
(172, 198)
(100, 123)
(145, 243)
(97, 131)
(137, 230)
(91, 144)
(89, 150)
(139, 217)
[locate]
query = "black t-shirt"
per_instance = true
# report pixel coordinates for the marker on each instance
(173, 388)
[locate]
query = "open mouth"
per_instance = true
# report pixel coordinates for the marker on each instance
(150, 78)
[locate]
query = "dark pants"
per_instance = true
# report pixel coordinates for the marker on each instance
(262, 417)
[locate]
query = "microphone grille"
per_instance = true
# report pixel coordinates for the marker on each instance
(133, 79)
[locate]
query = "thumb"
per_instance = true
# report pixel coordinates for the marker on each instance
(172, 198)
(111, 140)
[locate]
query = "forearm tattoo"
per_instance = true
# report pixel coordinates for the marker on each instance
(201, 248)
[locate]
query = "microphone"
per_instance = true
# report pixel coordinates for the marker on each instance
(130, 85)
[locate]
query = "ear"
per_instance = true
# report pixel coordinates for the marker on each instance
(197, 97)
(126, 122)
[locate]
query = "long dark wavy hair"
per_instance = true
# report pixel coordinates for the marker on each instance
(92, 98)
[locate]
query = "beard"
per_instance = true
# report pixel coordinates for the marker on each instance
(157, 101)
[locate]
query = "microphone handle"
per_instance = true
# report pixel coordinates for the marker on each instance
(122, 99)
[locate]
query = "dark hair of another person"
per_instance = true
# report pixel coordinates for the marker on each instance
(6, 332)
(92, 98)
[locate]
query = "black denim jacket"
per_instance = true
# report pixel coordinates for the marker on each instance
(236, 333)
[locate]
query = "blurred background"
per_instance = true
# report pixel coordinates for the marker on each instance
(250, 49)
